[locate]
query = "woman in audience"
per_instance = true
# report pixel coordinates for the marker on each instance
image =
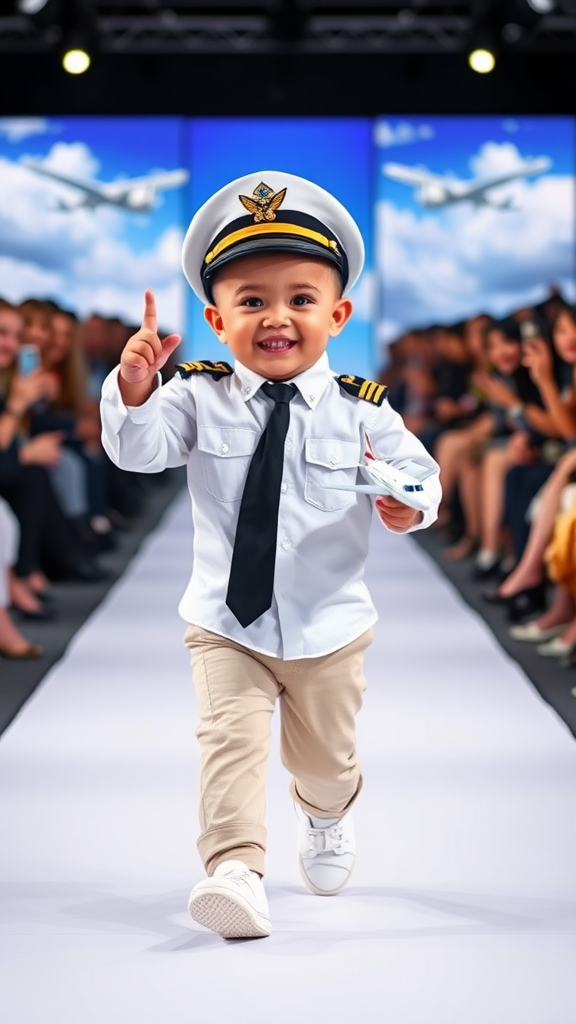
(523, 591)
(12, 643)
(45, 533)
(474, 459)
(80, 479)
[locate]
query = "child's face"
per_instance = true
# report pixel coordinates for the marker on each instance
(276, 312)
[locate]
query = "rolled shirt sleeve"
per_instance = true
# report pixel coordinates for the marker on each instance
(394, 443)
(157, 435)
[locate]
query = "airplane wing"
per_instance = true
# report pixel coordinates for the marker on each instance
(410, 175)
(478, 188)
(93, 194)
(162, 180)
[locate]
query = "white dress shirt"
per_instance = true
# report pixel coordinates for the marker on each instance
(212, 427)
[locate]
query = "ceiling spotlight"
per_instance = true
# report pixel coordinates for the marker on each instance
(30, 7)
(542, 6)
(482, 61)
(76, 62)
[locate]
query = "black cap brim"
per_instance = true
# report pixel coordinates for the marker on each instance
(261, 246)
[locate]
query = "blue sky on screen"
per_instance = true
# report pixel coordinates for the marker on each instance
(91, 260)
(446, 264)
(336, 153)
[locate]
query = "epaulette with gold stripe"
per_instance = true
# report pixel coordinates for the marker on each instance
(216, 370)
(369, 390)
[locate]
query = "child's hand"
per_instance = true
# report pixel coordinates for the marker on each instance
(144, 354)
(396, 516)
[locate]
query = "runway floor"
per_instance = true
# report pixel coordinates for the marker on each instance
(462, 909)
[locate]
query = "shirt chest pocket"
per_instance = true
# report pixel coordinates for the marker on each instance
(330, 463)
(225, 454)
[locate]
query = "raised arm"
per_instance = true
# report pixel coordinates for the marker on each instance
(147, 427)
(144, 356)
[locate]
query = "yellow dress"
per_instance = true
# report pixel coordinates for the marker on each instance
(560, 555)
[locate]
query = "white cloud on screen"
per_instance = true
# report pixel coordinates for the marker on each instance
(15, 129)
(495, 158)
(387, 135)
(80, 258)
(74, 158)
(449, 265)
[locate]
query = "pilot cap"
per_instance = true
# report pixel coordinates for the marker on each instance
(266, 212)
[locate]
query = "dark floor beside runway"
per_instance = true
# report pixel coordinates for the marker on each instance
(555, 684)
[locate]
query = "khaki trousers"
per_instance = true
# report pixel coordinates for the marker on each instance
(236, 691)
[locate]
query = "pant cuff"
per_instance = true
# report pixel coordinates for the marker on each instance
(324, 812)
(242, 840)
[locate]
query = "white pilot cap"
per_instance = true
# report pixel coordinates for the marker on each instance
(270, 211)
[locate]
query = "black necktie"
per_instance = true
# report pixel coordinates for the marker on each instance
(252, 570)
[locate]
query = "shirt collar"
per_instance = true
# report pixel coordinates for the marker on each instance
(311, 384)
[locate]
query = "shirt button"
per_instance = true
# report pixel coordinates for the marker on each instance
(286, 543)
(246, 389)
(333, 460)
(311, 398)
(284, 488)
(224, 448)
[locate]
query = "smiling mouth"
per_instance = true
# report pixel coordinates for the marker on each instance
(276, 345)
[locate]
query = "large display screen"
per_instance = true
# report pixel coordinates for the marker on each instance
(460, 215)
(473, 214)
(92, 212)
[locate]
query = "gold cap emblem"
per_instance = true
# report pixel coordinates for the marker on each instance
(263, 203)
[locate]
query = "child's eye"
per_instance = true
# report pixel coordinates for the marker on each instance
(301, 300)
(251, 301)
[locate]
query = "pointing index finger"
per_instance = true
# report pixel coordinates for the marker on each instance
(149, 321)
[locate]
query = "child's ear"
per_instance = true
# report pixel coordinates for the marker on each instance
(340, 316)
(214, 318)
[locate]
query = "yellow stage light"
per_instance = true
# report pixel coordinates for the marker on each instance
(75, 62)
(482, 61)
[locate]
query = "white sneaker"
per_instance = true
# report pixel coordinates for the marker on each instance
(232, 902)
(555, 648)
(530, 633)
(326, 856)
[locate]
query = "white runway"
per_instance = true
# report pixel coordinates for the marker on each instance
(462, 909)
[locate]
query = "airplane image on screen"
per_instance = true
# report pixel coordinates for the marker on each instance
(135, 194)
(437, 191)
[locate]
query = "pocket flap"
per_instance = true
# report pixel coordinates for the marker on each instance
(332, 453)
(227, 442)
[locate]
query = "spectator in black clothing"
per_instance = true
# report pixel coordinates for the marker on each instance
(475, 457)
(46, 536)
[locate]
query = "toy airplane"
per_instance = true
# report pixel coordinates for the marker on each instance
(386, 479)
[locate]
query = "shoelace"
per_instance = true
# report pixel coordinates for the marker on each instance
(238, 876)
(326, 840)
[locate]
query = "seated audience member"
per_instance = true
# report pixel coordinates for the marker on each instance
(555, 630)
(475, 458)
(453, 403)
(46, 536)
(100, 338)
(523, 591)
(81, 477)
(410, 380)
(12, 642)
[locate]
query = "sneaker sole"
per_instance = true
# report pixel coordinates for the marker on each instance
(228, 917)
(324, 892)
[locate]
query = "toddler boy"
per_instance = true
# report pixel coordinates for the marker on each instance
(276, 605)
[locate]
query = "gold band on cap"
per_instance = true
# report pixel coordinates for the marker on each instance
(272, 229)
